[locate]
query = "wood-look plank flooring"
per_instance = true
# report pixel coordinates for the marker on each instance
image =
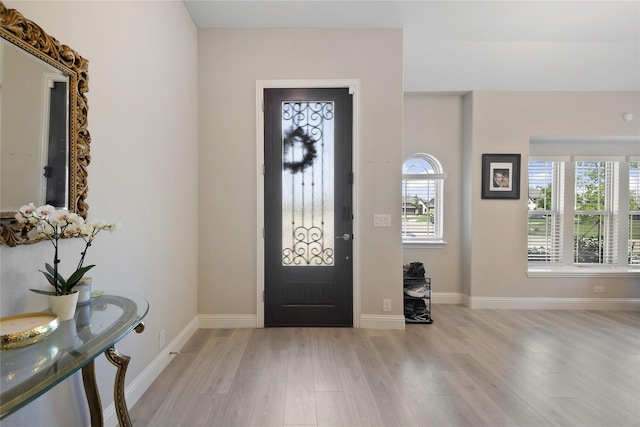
(469, 368)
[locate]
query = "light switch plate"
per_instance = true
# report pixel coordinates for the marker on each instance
(382, 220)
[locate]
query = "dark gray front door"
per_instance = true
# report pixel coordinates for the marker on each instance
(308, 207)
(56, 170)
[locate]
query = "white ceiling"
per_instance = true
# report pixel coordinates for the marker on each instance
(457, 46)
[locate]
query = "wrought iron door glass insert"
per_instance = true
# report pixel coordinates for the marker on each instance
(307, 183)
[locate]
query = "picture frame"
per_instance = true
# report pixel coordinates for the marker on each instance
(501, 176)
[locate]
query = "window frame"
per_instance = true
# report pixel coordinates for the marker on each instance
(554, 214)
(438, 177)
(617, 206)
(635, 231)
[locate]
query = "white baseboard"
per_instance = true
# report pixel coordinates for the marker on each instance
(231, 321)
(627, 304)
(466, 301)
(377, 321)
(447, 298)
(142, 382)
(227, 321)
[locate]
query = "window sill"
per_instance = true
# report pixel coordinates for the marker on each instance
(420, 245)
(584, 271)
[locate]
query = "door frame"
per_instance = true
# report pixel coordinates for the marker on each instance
(353, 85)
(48, 80)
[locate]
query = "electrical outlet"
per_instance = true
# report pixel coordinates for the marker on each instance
(386, 305)
(161, 336)
(598, 289)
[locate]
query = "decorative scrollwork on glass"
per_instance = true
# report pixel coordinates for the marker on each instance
(307, 183)
(308, 248)
(309, 116)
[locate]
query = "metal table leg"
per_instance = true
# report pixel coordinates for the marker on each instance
(121, 361)
(91, 391)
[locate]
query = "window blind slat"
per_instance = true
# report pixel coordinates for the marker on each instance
(545, 222)
(634, 213)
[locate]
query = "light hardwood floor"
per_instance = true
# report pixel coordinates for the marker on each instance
(469, 368)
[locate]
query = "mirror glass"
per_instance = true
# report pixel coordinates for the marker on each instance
(34, 131)
(44, 141)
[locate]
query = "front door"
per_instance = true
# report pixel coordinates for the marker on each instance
(308, 207)
(56, 169)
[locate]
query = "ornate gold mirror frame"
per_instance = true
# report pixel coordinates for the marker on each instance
(27, 35)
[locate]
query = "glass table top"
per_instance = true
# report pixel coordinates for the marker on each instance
(28, 372)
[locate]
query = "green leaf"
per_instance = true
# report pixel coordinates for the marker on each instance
(59, 277)
(38, 291)
(50, 269)
(61, 280)
(75, 278)
(49, 278)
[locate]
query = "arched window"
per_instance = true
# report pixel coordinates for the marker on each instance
(422, 199)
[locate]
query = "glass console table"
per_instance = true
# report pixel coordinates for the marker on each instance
(28, 372)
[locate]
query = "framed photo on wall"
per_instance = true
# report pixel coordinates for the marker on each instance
(501, 176)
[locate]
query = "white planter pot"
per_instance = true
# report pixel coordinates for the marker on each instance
(64, 306)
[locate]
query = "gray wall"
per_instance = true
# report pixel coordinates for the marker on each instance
(433, 125)
(485, 257)
(230, 63)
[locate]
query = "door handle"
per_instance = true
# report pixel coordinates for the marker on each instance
(346, 237)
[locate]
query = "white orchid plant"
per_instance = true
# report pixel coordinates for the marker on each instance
(48, 223)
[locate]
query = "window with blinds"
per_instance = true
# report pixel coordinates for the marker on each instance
(595, 230)
(634, 214)
(578, 212)
(546, 208)
(422, 199)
